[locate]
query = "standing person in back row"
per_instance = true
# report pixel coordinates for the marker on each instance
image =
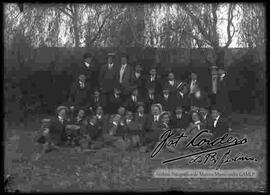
(108, 76)
(124, 75)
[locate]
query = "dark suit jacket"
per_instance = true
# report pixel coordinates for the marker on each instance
(199, 102)
(114, 104)
(138, 82)
(91, 73)
(141, 120)
(131, 105)
(181, 123)
(101, 102)
(156, 84)
(184, 101)
(126, 81)
(207, 121)
(148, 102)
(79, 97)
(94, 132)
(57, 131)
(172, 88)
(108, 78)
(221, 127)
(197, 84)
(222, 97)
(169, 104)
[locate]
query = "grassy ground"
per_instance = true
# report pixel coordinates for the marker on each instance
(67, 170)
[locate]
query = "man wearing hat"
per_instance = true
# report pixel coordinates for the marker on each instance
(219, 124)
(108, 75)
(97, 99)
(183, 98)
(124, 75)
(79, 93)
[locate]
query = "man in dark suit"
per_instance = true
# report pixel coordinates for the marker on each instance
(108, 75)
(89, 69)
(172, 83)
(150, 98)
(79, 93)
(222, 92)
(167, 100)
(182, 95)
(124, 75)
(180, 119)
(133, 99)
(138, 79)
(97, 99)
(219, 125)
(153, 80)
(115, 100)
(206, 117)
(199, 98)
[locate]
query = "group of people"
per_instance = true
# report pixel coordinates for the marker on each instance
(128, 108)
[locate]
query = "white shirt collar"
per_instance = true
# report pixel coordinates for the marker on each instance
(91, 123)
(87, 64)
(197, 122)
(115, 123)
(171, 82)
(181, 93)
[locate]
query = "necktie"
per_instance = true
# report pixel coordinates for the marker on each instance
(96, 99)
(155, 119)
(178, 116)
(214, 84)
(121, 73)
(140, 115)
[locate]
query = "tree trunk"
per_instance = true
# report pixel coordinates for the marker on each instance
(75, 27)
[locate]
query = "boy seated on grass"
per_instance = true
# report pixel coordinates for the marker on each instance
(92, 136)
(53, 133)
(75, 128)
(114, 134)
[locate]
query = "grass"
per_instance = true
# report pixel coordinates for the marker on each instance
(107, 169)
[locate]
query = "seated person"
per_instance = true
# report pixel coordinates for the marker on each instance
(79, 93)
(153, 127)
(93, 134)
(180, 120)
(150, 98)
(96, 100)
(219, 124)
(205, 117)
(101, 117)
(199, 98)
(122, 112)
(132, 130)
(113, 133)
(76, 128)
(53, 136)
(167, 100)
(196, 124)
(115, 100)
(165, 120)
(140, 117)
(132, 100)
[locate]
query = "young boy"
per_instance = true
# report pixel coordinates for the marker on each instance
(53, 134)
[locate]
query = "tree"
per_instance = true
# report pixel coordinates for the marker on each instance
(204, 28)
